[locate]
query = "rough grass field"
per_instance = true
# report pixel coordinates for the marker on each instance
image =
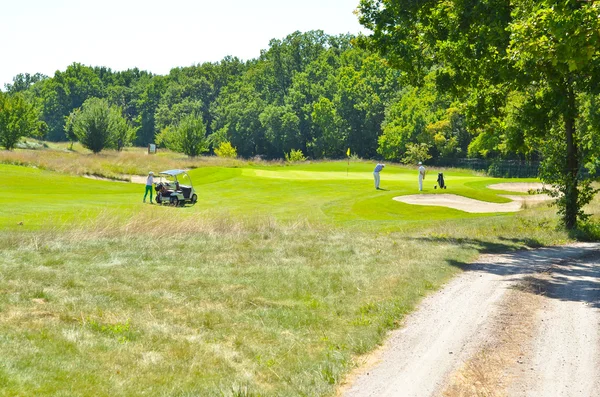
(273, 284)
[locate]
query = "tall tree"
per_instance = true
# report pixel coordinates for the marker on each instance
(23, 81)
(548, 49)
(98, 125)
(187, 136)
(66, 91)
(18, 118)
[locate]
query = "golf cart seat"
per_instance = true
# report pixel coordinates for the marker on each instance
(186, 190)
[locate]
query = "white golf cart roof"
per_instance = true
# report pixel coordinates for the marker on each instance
(172, 172)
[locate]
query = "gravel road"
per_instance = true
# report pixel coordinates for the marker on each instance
(452, 325)
(563, 359)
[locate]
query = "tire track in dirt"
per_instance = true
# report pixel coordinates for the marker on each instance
(563, 357)
(451, 326)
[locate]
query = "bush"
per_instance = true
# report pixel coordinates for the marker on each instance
(226, 150)
(416, 152)
(186, 137)
(294, 156)
(586, 231)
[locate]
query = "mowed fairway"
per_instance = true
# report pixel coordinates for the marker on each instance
(322, 192)
(272, 285)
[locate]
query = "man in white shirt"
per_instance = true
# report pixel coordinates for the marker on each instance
(378, 169)
(421, 175)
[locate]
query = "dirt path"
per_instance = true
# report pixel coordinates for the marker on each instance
(454, 325)
(563, 359)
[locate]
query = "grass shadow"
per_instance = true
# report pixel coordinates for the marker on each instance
(484, 246)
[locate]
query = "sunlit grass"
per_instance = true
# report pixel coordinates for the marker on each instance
(271, 285)
(213, 305)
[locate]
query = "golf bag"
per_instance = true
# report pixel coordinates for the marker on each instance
(440, 181)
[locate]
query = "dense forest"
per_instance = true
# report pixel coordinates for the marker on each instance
(310, 91)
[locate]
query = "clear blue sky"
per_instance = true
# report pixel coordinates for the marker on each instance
(48, 35)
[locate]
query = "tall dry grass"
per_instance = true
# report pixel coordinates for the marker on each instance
(112, 164)
(170, 224)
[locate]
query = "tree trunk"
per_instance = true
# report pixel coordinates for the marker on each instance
(571, 191)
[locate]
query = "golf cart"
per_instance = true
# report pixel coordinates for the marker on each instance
(170, 191)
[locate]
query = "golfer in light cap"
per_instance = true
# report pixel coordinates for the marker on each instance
(421, 176)
(149, 183)
(378, 169)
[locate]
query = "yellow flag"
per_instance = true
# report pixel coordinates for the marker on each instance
(348, 152)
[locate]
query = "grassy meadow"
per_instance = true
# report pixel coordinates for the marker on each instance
(274, 284)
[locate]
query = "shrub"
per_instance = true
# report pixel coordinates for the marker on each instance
(416, 152)
(186, 137)
(226, 150)
(294, 156)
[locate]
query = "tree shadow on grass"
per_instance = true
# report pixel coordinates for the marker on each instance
(569, 273)
(487, 247)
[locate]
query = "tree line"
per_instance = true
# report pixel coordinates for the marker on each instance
(308, 92)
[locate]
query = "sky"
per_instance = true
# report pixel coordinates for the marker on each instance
(43, 36)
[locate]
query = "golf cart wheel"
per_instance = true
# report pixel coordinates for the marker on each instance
(174, 201)
(194, 199)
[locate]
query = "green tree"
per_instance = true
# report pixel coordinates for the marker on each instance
(547, 49)
(22, 82)
(416, 152)
(188, 136)
(148, 99)
(123, 133)
(18, 118)
(70, 126)
(332, 139)
(282, 129)
(64, 92)
(237, 116)
(423, 114)
(98, 125)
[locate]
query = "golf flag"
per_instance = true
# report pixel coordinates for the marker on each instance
(348, 152)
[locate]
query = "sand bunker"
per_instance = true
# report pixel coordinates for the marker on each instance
(459, 203)
(476, 206)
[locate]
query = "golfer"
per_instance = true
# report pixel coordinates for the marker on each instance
(421, 175)
(378, 169)
(149, 183)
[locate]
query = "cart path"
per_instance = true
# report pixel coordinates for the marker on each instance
(563, 359)
(450, 326)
